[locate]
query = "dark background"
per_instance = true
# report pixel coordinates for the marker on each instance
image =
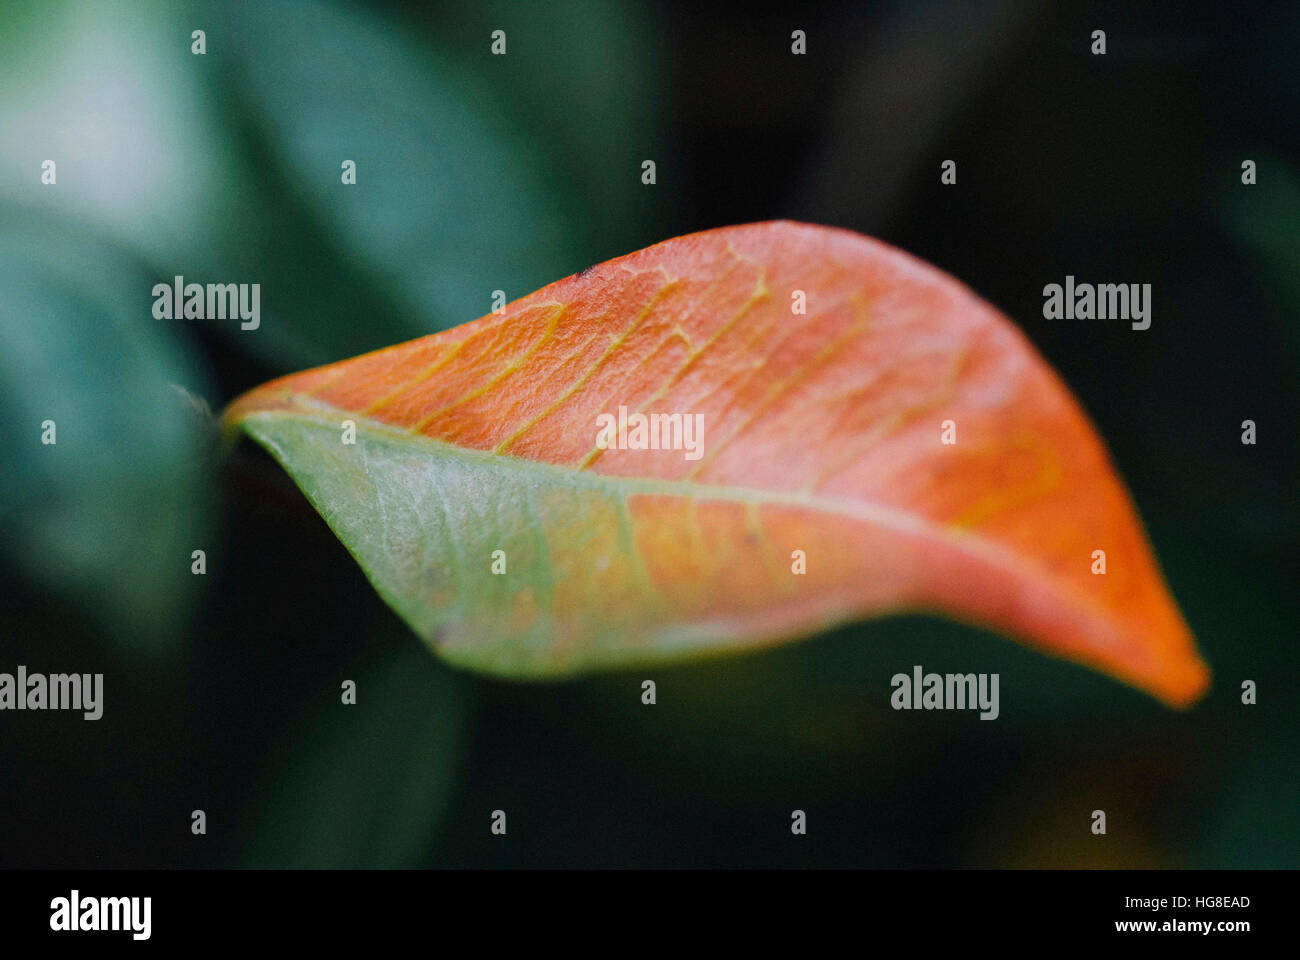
(478, 173)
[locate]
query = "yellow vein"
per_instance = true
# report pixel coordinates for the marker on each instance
(511, 367)
(577, 385)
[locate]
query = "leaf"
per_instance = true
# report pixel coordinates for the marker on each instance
(109, 90)
(821, 434)
(104, 518)
(365, 785)
(452, 200)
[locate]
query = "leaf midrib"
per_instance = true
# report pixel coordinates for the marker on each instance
(872, 513)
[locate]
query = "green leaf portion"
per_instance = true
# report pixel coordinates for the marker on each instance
(423, 519)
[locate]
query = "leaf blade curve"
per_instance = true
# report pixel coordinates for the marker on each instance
(822, 434)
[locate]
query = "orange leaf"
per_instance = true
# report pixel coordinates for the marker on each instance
(822, 432)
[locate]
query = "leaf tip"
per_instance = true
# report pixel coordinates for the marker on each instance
(1183, 686)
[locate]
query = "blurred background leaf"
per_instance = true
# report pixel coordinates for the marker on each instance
(108, 515)
(364, 785)
(451, 201)
(108, 91)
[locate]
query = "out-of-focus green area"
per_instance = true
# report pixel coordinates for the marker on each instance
(477, 173)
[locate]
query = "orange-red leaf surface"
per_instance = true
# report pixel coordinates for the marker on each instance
(821, 433)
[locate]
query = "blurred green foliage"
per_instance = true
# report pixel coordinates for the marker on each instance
(368, 785)
(105, 516)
